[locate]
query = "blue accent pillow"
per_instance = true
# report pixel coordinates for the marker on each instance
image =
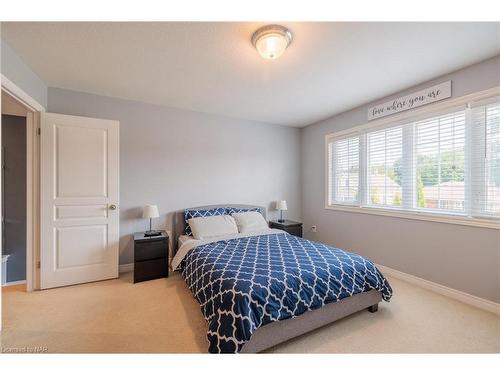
(190, 214)
(232, 210)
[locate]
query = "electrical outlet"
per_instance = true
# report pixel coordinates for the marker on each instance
(314, 229)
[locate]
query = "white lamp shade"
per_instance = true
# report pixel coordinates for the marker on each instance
(150, 211)
(281, 205)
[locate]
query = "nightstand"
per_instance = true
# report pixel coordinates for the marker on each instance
(289, 226)
(150, 257)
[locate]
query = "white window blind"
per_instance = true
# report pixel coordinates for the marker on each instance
(344, 170)
(493, 159)
(385, 167)
(446, 164)
(486, 161)
(440, 151)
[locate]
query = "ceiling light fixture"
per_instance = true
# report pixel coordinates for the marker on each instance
(271, 41)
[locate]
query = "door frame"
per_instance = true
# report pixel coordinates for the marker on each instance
(33, 109)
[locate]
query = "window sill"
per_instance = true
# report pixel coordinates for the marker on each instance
(425, 216)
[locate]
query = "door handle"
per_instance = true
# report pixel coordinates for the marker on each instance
(112, 207)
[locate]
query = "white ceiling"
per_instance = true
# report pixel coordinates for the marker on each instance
(213, 68)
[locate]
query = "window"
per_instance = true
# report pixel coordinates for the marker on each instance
(486, 163)
(492, 159)
(385, 152)
(445, 164)
(440, 150)
(344, 181)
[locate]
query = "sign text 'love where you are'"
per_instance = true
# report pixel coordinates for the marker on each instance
(414, 100)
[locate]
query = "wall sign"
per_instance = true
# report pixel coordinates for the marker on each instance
(417, 99)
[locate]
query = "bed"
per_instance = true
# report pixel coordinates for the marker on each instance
(261, 289)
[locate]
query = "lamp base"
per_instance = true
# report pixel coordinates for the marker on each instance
(152, 233)
(281, 220)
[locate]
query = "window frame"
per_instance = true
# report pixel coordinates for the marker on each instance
(402, 119)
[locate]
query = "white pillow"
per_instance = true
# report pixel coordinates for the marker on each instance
(204, 228)
(250, 221)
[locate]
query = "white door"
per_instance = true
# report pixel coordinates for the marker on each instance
(79, 174)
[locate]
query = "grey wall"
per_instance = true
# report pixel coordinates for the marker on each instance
(14, 190)
(179, 159)
(460, 257)
(18, 72)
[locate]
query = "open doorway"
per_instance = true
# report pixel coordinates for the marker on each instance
(13, 199)
(16, 194)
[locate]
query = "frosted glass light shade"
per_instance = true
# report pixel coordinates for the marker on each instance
(271, 41)
(150, 211)
(281, 205)
(271, 46)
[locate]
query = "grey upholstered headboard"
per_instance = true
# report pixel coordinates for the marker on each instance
(179, 224)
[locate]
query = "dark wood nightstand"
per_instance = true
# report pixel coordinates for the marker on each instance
(150, 257)
(289, 226)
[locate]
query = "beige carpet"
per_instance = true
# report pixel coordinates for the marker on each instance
(162, 316)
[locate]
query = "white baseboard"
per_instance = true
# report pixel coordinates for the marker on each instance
(469, 299)
(10, 283)
(126, 267)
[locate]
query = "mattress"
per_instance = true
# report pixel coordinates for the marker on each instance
(183, 239)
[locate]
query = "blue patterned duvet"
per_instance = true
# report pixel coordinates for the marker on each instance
(244, 283)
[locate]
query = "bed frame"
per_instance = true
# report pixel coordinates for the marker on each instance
(278, 332)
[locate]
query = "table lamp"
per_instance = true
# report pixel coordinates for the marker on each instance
(150, 212)
(281, 205)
